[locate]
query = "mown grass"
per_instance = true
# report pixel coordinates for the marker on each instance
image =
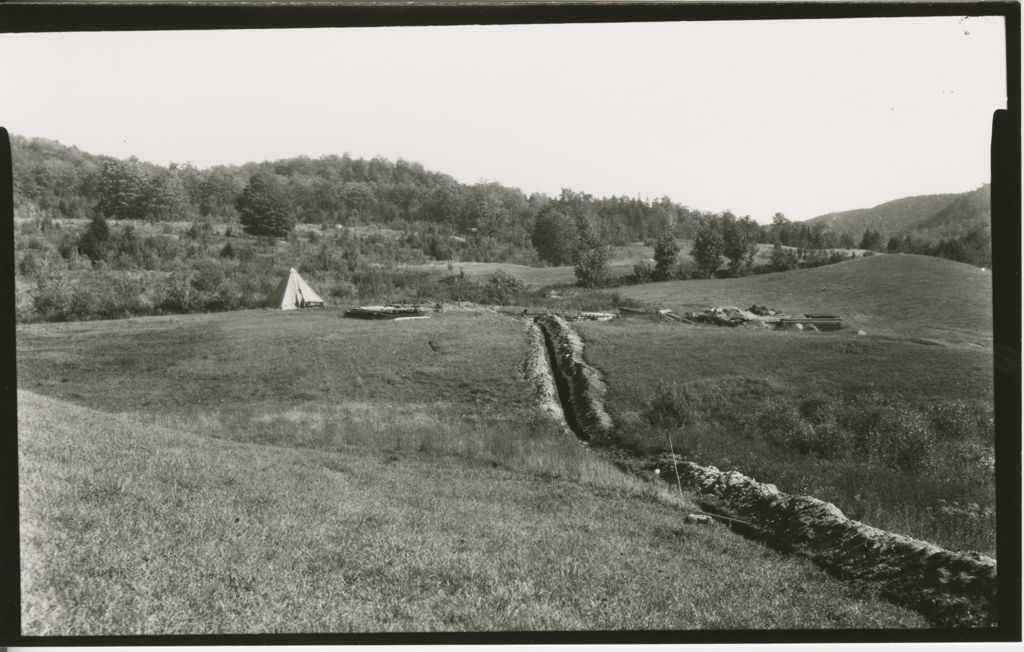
(899, 295)
(893, 432)
(132, 528)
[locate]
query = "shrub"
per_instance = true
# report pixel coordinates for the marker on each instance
(956, 421)
(31, 264)
(178, 293)
(591, 266)
(115, 296)
(54, 298)
(901, 439)
(343, 290)
(669, 408)
(643, 271)
(208, 276)
(164, 248)
(504, 287)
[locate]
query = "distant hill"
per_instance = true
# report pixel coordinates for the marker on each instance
(928, 217)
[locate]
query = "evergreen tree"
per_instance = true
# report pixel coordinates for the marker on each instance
(265, 207)
(95, 240)
(871, 240)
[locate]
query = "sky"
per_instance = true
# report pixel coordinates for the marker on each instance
(802, 117)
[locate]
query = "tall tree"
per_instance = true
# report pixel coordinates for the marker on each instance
(555, 236)
(265, 207)
(739, 242)
(592, 255)
(124, 190)
(666, 255)
(707, 248)
(169, 199)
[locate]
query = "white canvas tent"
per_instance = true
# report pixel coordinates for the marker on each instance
(294, 292)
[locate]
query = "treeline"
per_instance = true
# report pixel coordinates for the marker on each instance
(973, 247)
(448, 220)
(438, 218)
(107, 271)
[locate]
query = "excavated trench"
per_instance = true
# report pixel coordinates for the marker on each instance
(952, 589)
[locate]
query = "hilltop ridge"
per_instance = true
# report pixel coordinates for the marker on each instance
(924, 216)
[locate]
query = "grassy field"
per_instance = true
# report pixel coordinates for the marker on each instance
(902, 295)
(894, 427)
(261, 471)
(621, 264)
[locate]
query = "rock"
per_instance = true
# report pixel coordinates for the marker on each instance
(798, 326)
(699, 519)
(860, 332)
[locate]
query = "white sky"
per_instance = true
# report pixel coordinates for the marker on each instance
(803, 117)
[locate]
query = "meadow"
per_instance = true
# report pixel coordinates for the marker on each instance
(620, 265)
(260, 471)
(901, 295)
(895, 427)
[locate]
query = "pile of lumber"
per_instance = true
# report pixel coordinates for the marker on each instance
(394, 312)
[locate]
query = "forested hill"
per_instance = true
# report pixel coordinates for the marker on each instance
(489, 221)
(925, 217)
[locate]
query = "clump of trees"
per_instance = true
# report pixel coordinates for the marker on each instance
(973, 247)
(729, 239)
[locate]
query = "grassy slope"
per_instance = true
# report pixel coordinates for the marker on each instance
(360, 517)
(729, 376)
(903, 295)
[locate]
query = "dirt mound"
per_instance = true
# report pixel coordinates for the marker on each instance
(537, 371)
(954, 589)
(584, 388)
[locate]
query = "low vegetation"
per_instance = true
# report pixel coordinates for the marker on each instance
(892, 432)
(260, 471)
